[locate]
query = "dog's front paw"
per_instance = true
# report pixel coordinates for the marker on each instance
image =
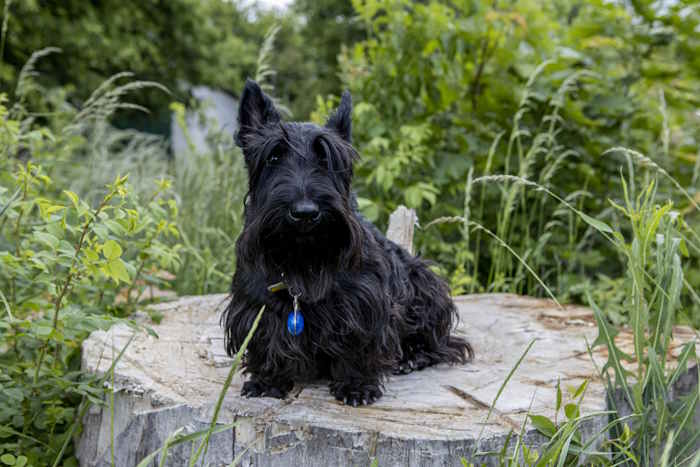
(356, 393)
(416, 362)
(254, 388)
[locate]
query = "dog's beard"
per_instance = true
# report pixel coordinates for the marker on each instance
(309, 259)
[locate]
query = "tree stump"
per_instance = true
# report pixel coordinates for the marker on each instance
(431, 417)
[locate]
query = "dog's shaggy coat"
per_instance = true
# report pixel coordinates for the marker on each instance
(370, 308)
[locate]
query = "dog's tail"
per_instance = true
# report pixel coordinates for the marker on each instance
(434, 316)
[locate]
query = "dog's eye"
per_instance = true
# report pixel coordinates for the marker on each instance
(274, 157)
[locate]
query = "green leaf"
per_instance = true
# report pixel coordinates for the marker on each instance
(48, 239)
(8, 459)
(606, 336)
(688, 352)
(656, 373)
(580, 389)
(571, 411)
(558, 403)
(151, 332)
(91, 254)
(43, 329)
(543, 425)
(73, 197)
(111, 250)
(530, 455)
(115, 227)
(413, 196)
(47, 209)
(14, 393)
(117, 270)
(595, 223)
(368, 208)
(101, 231)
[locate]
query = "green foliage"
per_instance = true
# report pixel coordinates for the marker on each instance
(650, 421)
(451, 92)
(653, 289)
(64, 260)
(178, 43)
(306, 56)
(210, 189)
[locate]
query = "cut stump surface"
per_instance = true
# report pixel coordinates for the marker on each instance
(431, 417)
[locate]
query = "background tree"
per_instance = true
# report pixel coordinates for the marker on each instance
(172, 42)
(314, 35)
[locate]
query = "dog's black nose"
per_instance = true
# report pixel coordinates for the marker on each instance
(304, 211)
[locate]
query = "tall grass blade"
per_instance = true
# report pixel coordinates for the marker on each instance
(3, 32)
(500, 391)
(240, 455)
(687, 352)
(696, 460)
(606, 336)
(84, 405)
(7, 307)
(176, 440)
(644, 161)
(166, 447)
(666, 454)
(521, 434)
(202, 450)
(476, 225)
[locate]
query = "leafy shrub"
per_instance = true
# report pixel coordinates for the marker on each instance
(64, 261)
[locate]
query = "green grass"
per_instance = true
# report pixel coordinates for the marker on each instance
(652, 241)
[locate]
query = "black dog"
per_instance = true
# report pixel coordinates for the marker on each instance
(347, 304)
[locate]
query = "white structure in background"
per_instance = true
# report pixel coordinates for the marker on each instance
(218, 113)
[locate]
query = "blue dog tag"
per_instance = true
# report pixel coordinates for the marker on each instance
(295, 323)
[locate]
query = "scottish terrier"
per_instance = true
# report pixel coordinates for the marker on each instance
(343, 303)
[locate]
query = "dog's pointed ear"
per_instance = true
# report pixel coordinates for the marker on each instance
(341, 119)
(255, 110)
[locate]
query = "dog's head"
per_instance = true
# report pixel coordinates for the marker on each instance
(300, 207)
